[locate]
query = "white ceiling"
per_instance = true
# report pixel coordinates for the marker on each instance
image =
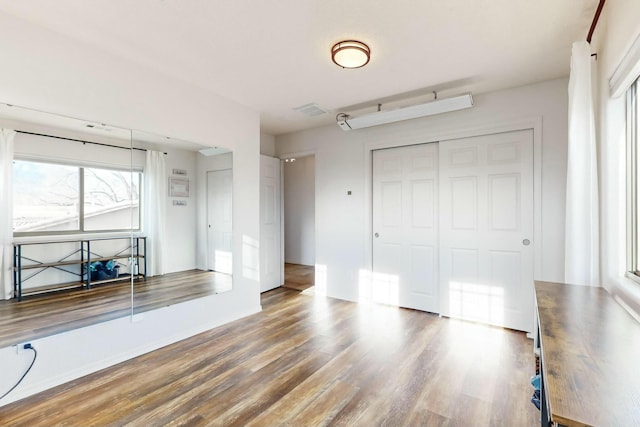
(274, 55)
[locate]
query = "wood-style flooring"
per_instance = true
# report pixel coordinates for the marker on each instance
(308, 361)
(38, 316)
(299, 277)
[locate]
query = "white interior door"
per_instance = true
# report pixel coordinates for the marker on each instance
(486, 229)
(405, 227)
(270, 252)
(219, 220)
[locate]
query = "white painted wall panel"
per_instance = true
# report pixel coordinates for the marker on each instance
(464, 203)
(504, 202)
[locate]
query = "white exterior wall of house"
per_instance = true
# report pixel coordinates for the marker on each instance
(50, 72)
(342, 221)
(617, 29)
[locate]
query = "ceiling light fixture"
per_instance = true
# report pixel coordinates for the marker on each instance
(350, 54)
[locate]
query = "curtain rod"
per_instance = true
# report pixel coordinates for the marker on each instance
(595, 20)
(82, 141)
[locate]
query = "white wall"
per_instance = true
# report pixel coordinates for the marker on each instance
(617, 29)
(341, 165)
(299, 211)
(267, 145)
(180, 238)
(47, 71)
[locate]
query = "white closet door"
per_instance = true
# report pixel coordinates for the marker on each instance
(219, 217)
(405, 228)
(270, 252)
(486, 229)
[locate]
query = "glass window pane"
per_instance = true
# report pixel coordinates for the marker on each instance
(45, 197)
(635, 125)
(111, 199)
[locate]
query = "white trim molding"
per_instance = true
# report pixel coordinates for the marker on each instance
(627, 71)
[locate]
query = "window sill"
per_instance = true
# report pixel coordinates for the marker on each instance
(632, 276)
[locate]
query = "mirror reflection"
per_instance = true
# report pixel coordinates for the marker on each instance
(187, 213)
(86, 238)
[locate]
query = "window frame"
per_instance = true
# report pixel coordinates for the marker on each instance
(633, 198)
(81, 190)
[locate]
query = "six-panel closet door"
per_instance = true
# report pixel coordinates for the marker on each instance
(453, 228)
(405, 227)
(486, 229)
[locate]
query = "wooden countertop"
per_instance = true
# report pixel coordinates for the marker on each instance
(590, 349)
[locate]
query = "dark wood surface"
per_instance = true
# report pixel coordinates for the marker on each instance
(308, 361)
(590, 356)
(39, 316)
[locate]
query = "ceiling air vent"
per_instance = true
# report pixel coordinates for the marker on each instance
(311, 109)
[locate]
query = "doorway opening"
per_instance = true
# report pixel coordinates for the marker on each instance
(299, 196)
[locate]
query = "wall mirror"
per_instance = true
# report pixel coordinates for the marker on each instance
(73, 209)
(187, 215)
(83, 224)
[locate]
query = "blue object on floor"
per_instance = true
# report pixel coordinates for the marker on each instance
(535, 382)
(535, 399)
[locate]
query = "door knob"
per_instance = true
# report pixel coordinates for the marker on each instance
(526, 242)
(377, 235)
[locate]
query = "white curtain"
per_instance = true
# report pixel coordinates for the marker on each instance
(155, 206)
(6, 212)
(582, 225)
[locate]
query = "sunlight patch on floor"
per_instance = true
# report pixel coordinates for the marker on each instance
(378, 287)
(473, 301)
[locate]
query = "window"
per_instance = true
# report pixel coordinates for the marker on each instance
(108, 199)
(633, 182)
(56, 199)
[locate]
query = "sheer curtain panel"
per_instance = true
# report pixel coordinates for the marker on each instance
(6, 212)
(581, 225)
(155, 207)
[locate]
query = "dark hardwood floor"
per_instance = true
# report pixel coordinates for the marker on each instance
(308, 361)
(39, 316)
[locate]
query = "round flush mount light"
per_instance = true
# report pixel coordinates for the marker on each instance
(350, 54)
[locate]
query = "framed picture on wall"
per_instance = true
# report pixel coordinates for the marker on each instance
(178, 187)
